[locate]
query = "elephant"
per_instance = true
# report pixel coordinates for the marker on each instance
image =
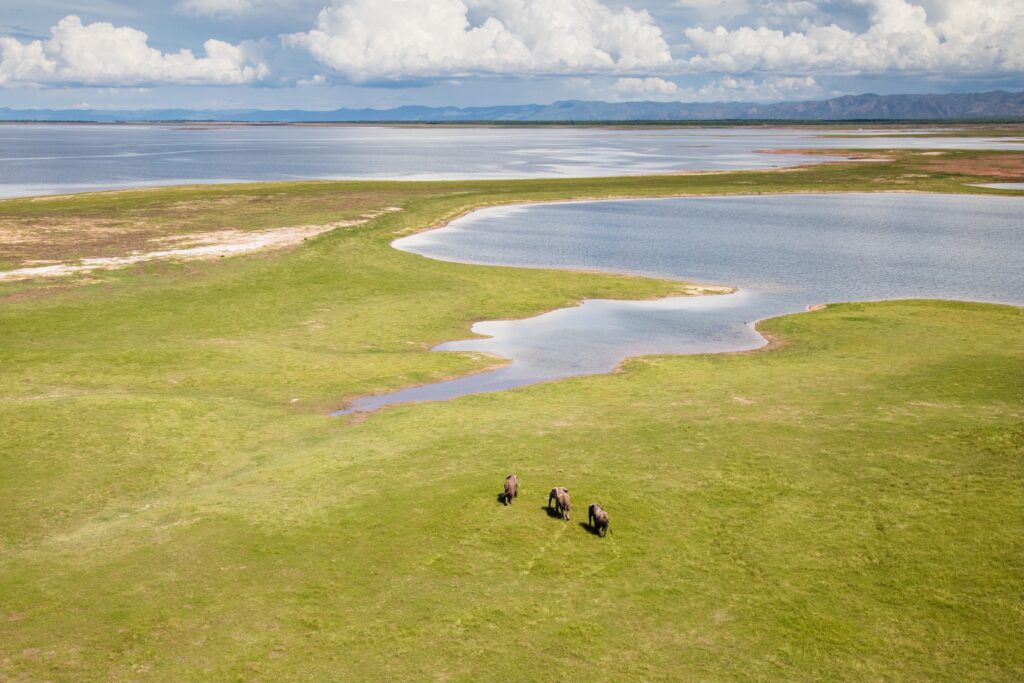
(560, 495)
(598, 519)
(511, 489)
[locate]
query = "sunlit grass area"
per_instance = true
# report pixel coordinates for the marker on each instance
(177, 505)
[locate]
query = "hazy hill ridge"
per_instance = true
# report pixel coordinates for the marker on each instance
(998, 104)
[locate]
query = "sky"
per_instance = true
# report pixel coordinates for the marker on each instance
(326, 54)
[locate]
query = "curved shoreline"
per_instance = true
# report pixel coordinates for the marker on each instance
(742, 184)
(462, 213)
(350, 407)
(768, 342)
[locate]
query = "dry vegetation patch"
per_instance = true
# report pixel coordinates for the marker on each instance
(1003, 165)
(189, 246)
(1009, 165)
(45, 231)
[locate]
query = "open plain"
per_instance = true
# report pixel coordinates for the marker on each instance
(178, 505)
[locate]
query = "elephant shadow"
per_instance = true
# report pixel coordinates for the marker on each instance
(552, 512)
(590, 529)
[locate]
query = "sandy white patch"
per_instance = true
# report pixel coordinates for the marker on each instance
(221, 243)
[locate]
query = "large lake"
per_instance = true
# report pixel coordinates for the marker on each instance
(783, 252)
(39, 159)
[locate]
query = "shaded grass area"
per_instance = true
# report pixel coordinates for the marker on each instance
(177, 507)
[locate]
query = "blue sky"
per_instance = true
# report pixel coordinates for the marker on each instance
(324, 54)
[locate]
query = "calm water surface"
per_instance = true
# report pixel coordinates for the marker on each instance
(56, 159)
(784, 253)
(1003, 186)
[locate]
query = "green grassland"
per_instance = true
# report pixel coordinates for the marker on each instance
(176, 505)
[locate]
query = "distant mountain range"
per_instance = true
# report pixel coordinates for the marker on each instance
(996, 105)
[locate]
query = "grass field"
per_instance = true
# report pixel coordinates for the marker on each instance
(176, 505)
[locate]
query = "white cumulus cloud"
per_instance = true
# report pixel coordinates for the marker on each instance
(965, 36)
(104, 54)
(725, 89)
(368, 40)
(650, 87)
(771, 89)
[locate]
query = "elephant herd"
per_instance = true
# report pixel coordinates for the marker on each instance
(597, 517)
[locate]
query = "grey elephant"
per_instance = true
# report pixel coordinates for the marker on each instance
(560, 495)
(511, 489)
(598, 519)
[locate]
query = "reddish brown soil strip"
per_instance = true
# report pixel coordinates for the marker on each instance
(841, 154)
(996, 164)
(1007, 165)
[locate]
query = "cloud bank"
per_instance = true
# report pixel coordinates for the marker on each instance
(366, 40)
(971, 36)
(650, 88)
(761, 49)
(104, 54)
(725, 89)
